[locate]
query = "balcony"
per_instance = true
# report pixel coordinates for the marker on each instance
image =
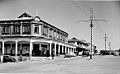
(16, 30)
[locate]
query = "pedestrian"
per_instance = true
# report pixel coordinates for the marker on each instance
(53, 54)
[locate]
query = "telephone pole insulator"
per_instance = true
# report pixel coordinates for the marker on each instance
(91, 25)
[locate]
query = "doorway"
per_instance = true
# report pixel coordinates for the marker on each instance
(35, 51)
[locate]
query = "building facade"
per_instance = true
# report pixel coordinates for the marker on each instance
(82, 45)
(32, 36)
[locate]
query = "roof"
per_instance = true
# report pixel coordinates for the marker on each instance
(25, 15)
(77, 40)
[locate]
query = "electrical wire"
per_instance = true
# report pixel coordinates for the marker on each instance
(80, 8)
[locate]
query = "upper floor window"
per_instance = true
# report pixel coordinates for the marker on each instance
(50, 33)
(45, 31)
(54, 34)
(26, 29)
(60, 36)
(16, 29)
(6, 30)
(57, 35)
(36, 29)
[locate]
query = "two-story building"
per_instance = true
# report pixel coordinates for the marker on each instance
(82, 45)
(32, 36)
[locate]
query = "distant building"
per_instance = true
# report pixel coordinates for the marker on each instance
(32, 36)
(81, 44)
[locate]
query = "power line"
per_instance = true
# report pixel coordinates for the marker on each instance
(91, 26)
(79, 8)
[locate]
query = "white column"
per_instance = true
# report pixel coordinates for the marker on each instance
(31, 48)
(62, 50)
(2, 51)
(40, 46)
(55, 49)
(21, 29)
(16, 49)
(65, 50)
(68, 50)
(11, 29)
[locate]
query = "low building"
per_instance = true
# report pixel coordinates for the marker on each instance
(82, 45)
(28, 35)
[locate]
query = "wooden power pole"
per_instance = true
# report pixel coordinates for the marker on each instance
(106, 40)
(91, 26)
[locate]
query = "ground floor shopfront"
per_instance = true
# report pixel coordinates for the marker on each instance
(34, 47)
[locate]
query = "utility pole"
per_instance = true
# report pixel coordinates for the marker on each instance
(109, 48)
(91, 26)
(106, 40)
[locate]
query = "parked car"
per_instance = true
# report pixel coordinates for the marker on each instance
(107, 52)
(8, 58)
(85, 53)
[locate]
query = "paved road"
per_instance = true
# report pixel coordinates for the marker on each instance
(76, 65)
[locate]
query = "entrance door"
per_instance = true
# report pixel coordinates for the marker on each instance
(44, 50)
(57, 50)
(36, 51)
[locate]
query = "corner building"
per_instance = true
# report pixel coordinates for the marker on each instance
(32, 37)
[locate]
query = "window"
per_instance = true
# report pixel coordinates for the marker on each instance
(57, 35)
(50, 33)
(45, 31)
(54, 34)
(6, 30)
(36, 29)
(63, 37)
(26, 29)
(60, 36)
(16, 29)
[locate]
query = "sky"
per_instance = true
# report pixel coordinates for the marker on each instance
(65, 13)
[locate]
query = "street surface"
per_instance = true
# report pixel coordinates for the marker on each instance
(60, 65)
